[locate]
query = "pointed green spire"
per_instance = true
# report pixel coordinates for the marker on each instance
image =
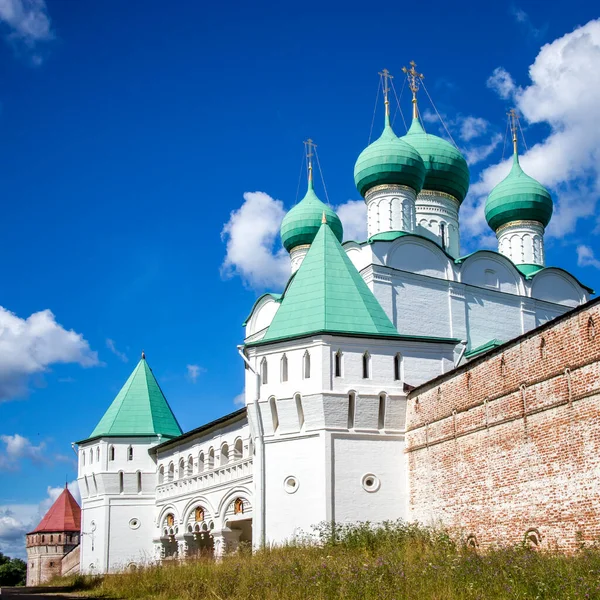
(139, 409)
(328, 295)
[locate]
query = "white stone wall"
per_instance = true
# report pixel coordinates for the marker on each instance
(437, 219)
(522, 242)
(390, 208)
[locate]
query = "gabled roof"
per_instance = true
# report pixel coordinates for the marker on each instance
(139, 409)
(328, 295)
(64, 515)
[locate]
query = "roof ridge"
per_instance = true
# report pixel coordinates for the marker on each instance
(151, 373)
(130, 380)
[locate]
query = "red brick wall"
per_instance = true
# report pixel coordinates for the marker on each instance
(511, 442)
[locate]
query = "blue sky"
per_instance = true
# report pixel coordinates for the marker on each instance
(133, 140)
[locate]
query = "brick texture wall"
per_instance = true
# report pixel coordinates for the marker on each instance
(507, 448)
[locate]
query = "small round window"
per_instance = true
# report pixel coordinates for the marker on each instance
(134, 523)
(370, 482)
(290, 484)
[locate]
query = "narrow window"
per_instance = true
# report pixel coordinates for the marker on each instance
(238, 449)
(181, 472)
(51, 540)
(83, 458)
(98, 454)
(274, 416)
(224, 454)
(121, 483)
(130, 453)
(91, 456)
(171, 472)
(351, 409)
(443, 235)
(300, 411)
(139, 482)
(201, 462)
(543, 348)
(190, 466)
(381, 414)
(264, 375)
(161, 475)
(338, 364)
(398, 367)
(111, 453)
(238, 506)
(366, 363)
(211, 458)
(284, 368)
(306, 365)
(591, 328)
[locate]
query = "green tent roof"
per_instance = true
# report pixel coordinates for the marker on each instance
(140, 409)
(328, 295)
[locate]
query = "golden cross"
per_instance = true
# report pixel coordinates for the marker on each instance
(309, 146)
(414, 77)
(386, 77)
(514, 119)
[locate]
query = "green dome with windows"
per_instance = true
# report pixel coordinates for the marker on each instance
(518, 197)
(302, 223)
(446, 169)
(389, 160)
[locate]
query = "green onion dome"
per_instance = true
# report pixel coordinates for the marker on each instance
(446, 169)
(389, 160)
(518, 197)
(302, 223)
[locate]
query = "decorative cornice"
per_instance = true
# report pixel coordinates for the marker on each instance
(389, 188)
(439, 195)
(519, 224)
(300, 247)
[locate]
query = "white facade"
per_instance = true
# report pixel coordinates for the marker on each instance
(390, 208)
(437, 219)
(522, 242)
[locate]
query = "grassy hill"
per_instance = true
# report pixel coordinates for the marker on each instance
(395, 561)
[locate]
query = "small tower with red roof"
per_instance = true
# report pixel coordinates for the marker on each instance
(53, 546)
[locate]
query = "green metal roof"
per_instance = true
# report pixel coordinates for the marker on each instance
(328, 295)
(529, 270)
(389, 160)
(518, 197)
(139, 409)
(301, 224)
(494, 343)
(446, 169)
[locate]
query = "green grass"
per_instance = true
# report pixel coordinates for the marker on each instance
(395, 561)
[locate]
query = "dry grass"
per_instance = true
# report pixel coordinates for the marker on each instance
(396, 561)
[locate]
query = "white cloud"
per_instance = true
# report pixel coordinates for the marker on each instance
(28, 24)
(110, 344)
(564, 94)
(19, 448)
(193, 371)
(472, 127)
(475, 154)
(502, 83)
(252, 239)
(18, 519)
(586, 257)
(251, 235)
(29, 346)
(353, 215)
(240, 399)
(524, 20)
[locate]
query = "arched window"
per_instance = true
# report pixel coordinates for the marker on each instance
(190, 465)
(250, 447)
(543, 348)
(130, 453)
(306, 366)
(300, 411)
(121, 483)
(351, 409)
(337, 364)
(170, 518)
(238, 506)
(111, 453)
(381, 413)
(398, 367)
(224, 458)
(171, 472)
(98, 454)
(181, 471)
(83, 458)
(238, 449)
(51, 538)
(43, 539)
(91, 455)
(366, 365)
(264, 374)
(198, 514)
(201, 462)
(161, 474)
(139, 482)
(274, 415)
(284, 368)
(211, 458)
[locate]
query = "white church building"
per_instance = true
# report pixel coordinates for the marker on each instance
(328, 364)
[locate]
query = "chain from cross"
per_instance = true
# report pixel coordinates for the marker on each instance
(414, 77)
